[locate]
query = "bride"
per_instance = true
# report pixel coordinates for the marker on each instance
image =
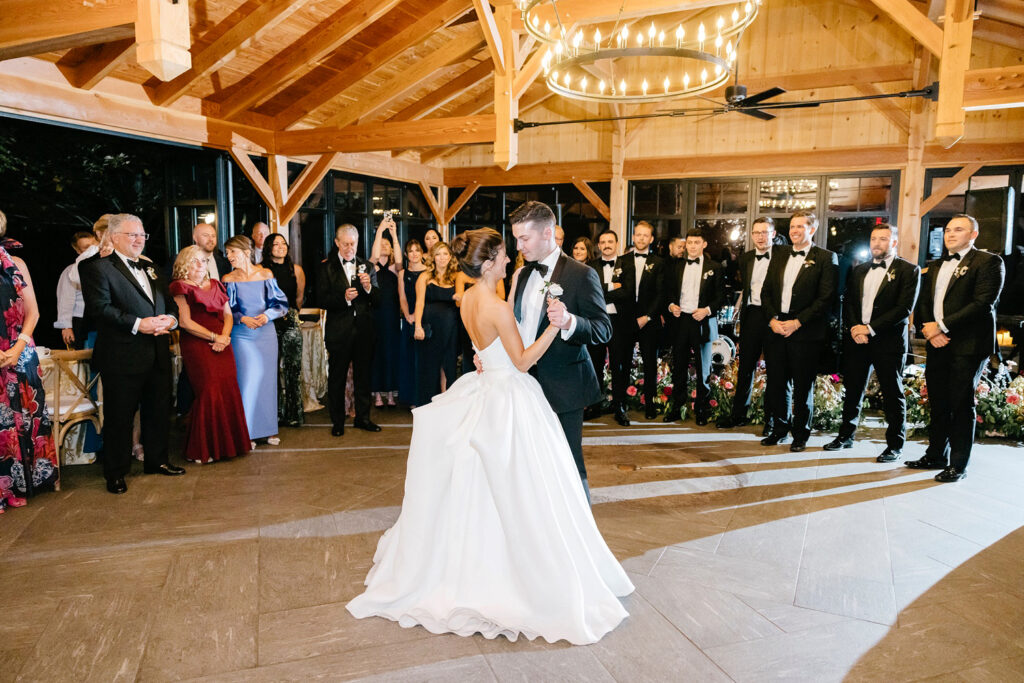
(495, 535)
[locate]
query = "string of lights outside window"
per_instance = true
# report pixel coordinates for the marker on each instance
(661, 62)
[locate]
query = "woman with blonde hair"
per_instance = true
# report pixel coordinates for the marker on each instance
(436, 324)
(217, 428)
(255, 300)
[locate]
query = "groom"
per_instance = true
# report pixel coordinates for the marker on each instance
(565, 372)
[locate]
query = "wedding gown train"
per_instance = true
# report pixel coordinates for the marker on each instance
(495, 535)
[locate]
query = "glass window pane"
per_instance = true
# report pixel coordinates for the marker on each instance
(722, 234)
(875, 193)
(667, 204)
(788, 195)
(317, 199)
(721, 198)
(386, 199)
(645, 199)
(416, 204)
(850, 237)
(341, 194)
(843, 194)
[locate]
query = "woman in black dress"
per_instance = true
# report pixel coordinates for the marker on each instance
(436, 324)
(292, 281)
(387, 315)
(407, 350)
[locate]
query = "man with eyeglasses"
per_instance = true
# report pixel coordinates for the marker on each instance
(127, 298)
(752, 322)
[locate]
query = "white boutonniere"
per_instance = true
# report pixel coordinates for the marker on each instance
(891, 275)
(649, 267)
(617, 272)
(708, 274)
(960, 271)
(551, 289)
(151, 273)
(808, 263)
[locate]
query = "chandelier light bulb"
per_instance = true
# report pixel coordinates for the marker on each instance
(639, 39)
(686, 81)
(735, 16)
(718, 42)
(600, 86)
(625, 33)
(703, 76)
(547, 27)
(701, 34)
(666, 84)
(534, 20)
(583, 83)
(643, 86)
(748, 8)
(597, 36)
(680, 32)
(559, 48)
(728, 47)
(554, 76)
(651, 32)
(661, 38)
(567, 80)
(718, 69)
(720, 23)
(622, 86)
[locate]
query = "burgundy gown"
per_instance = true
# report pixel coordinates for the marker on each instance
(218, 428)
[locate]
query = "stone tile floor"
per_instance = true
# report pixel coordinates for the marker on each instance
(749, 563)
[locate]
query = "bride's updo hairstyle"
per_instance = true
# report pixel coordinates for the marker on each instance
(473, 247)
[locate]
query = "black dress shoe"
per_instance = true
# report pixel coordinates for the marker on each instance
(701, 420)
(338, 430)
(116, 485)
(166, 469)
(889, 455)
(797, 446)
(622, 417)
(366, 425)
(949, 475)
(926, 463)
(837, 443)
(671, 414)
(651, 412)
(732, 423)
(774, 440)
(590, 412)
(767, 430)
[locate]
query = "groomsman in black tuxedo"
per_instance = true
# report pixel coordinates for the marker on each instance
(956, 312)
(694, 295)
(798, 296)
(127, 299)
(346, 286)
(753, 322)
(642, 277)
(605, 266)
(880, 295)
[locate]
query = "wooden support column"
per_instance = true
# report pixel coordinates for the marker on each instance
(438, 205)
(956, 57)
(912, 175)
(506, 104)
(619, 198)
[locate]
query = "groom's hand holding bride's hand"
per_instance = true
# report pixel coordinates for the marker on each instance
(558, 315)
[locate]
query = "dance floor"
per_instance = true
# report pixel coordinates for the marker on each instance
(750, 564)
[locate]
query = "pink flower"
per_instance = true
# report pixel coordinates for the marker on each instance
(643, 400)
(924, 390)
(640, 381)
(983, 389)
(980, 419)
(631, 391)
(728, 385)
(713, 403)
(835, 378)
(1013, 399)
(693, 394)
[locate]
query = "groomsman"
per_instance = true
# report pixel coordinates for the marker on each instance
(605, 266)
(642, 276)
(694, 296)
(798, 295)
(956, 312)
(753, 322)
(880, 295)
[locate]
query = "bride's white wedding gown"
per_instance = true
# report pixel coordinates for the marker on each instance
(495, 534)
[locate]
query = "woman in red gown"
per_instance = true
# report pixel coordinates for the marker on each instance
(218, 429)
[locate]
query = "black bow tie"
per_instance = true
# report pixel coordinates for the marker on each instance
(534, 265)
(349, 262)
(608, 263)
(758, 257)
(880, 264)
(690, 262)
(134, 264)
(636, 255)
(799, 253)
(951, 257)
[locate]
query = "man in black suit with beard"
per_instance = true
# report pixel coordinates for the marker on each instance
(565, 372)
(798, 295)
(605, 267)
(956, 314)
(880, 294)
(642, 277)
(753, 322)
(126, 298)
(346, 287)
(693, 298)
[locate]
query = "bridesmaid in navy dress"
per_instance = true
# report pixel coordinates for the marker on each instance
(436, 312)
(387, 314)
(407, 350)
(255, 300)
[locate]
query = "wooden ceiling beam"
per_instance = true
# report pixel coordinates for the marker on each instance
(304, 53)
(434, 203)
(385, 136)
(446, 93)
(206, 59)
(956, 57)
(999, 32)
(997, 88)
(437, 18)
(1010, 11)
(249, 170)
(491, 34)
(591, 11)
(907, 16)
(84, 67)
(401, 84)
(32, 27)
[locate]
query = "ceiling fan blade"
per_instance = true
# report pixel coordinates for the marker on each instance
(757, 114)
(760, 97)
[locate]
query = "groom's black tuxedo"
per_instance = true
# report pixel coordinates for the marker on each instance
(135, 368)
(565, 372)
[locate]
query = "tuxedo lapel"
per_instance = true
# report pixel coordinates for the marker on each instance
(966, 262)
(812, 254)
(517, 299)
(123, 269)
(748, 273)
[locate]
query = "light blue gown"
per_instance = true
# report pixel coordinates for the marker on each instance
(256, 351)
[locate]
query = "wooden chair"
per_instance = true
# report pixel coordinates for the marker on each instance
(70, 396)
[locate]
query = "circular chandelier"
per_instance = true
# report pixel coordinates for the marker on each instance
(659, 64)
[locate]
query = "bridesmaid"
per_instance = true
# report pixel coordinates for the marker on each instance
(217, 428)
(430, 238)
(436, 312)
(255, 300)
(407, 358)
(387, 314)
(292, 281)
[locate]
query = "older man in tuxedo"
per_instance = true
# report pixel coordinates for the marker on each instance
(642, 276)
(799, 295)
(127, 299)
(880, 294)
(605, 267)
(753, 323)
(346, 286)
(956, 314)
(694, 296)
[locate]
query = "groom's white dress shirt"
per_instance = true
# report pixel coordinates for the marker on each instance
(533, 305)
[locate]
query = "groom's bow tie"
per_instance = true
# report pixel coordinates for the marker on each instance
(534, 265)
